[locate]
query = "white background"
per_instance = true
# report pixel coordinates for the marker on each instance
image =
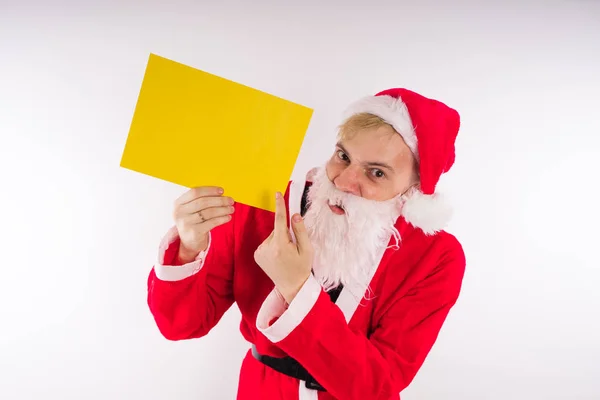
(80, 234)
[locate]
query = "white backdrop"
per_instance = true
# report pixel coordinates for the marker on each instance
(80, 234)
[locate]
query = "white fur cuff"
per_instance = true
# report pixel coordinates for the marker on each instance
(290, 318)
(166, 272)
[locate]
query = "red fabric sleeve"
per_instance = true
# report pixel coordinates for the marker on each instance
(191, 307)
(353, 367)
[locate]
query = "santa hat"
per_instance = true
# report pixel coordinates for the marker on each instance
(429, 128)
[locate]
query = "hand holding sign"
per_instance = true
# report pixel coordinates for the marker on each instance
(196, 213)
(288, 264)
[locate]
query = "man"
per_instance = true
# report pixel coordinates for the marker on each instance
(343, 290)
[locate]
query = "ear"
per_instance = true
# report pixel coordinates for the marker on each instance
(414, 187)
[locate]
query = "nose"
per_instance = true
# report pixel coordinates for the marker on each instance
(348, 180)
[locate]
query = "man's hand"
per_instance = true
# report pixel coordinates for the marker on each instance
(287, 264)
(196, 213)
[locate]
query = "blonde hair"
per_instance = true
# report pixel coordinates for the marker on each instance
(359, 122)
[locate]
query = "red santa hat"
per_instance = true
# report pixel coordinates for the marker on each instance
(429, 128)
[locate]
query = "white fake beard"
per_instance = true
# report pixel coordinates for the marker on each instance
(347, 247)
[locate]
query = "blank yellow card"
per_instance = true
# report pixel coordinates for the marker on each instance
(193, 128)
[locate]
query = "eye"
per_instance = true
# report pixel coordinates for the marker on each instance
(342, 156)
(377, 173)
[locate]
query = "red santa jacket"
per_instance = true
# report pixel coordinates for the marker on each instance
(357, 348)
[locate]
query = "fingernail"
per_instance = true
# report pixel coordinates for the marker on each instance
(277, 195)
(297, 218)
(221, 190)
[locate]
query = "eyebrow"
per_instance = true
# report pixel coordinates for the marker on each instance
(370, 163)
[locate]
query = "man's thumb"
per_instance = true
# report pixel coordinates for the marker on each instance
(302, 239)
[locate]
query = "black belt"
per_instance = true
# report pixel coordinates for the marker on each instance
(290, 367)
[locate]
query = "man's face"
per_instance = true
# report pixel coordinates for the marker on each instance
(375, 164)
(355, 203)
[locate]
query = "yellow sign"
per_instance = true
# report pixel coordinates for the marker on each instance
(193, 128)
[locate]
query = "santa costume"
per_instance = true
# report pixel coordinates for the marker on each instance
(363, 323)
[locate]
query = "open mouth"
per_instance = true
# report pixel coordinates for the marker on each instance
(337, 209)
